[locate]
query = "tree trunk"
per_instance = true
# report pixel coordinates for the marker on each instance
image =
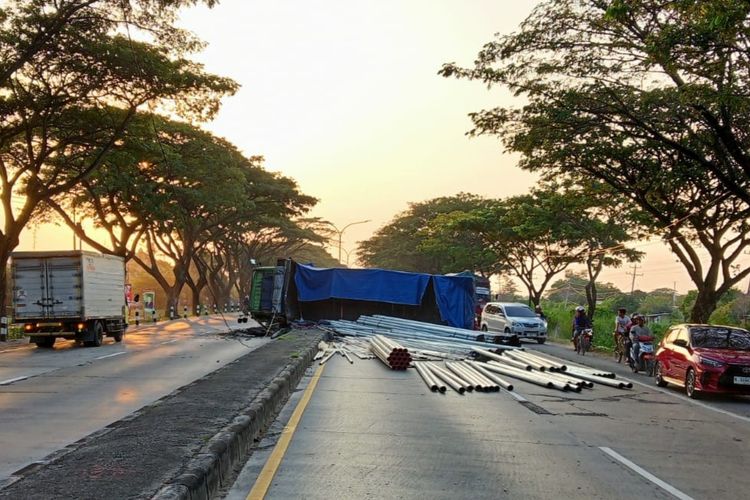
(705, 304)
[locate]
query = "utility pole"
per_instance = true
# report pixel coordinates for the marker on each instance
(634, 274)
(674, 295)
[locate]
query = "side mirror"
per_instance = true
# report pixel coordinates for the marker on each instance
(681, 342)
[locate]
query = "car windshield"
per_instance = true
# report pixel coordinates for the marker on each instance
(720, 338)
(519, 312)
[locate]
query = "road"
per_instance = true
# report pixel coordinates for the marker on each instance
(368, 432)
(50, 398)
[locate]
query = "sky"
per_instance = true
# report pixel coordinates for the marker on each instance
(344, 97)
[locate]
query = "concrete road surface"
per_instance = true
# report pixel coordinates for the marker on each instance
(50, 398)
(369, 432)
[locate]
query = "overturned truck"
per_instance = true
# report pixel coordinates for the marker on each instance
(292, 291)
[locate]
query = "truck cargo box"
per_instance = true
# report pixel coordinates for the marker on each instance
(73, 284)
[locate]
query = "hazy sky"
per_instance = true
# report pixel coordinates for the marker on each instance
(344, 97)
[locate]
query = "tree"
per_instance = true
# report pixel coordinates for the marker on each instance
(71, 79)
(401, 244)
(648, 97)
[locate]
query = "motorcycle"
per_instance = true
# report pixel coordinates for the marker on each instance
(645, 358)
(584, 341)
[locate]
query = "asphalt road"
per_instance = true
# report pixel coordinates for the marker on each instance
(50, 398)
(368, 432)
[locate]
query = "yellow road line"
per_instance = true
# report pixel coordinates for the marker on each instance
(260, 488)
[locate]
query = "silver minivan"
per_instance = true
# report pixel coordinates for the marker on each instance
(513, 319)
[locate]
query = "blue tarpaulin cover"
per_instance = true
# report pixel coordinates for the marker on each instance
(455, 294)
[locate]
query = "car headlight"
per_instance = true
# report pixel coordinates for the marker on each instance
(710, 362)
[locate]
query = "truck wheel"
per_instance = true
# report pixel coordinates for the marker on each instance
(45, 342)
(98, 336)
(118, 336)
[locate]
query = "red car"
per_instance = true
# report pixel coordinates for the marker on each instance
(705, 358)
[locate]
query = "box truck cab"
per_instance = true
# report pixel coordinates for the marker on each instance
(70, 294)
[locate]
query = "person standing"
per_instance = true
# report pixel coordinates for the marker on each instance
(622, 327)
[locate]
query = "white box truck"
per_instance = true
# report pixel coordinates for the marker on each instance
(70, 294)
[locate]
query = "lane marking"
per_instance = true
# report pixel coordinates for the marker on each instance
(646, 474)
(112, 355)
(168, 342)
(11, 380)
(260, 488)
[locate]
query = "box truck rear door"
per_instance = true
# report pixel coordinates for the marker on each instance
(64, 278)
(29, 289)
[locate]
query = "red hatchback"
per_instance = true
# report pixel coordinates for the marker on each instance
(705, 358)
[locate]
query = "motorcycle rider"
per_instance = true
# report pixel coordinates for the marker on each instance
(636, 331)
(580, 323)
(622, 324)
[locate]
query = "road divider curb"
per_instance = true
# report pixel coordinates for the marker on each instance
(212, 468)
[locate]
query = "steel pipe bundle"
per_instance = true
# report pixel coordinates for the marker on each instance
(501, 382)
(457, 384)
(429, 378)
(391, 353)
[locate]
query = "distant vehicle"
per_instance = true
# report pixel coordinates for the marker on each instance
(704, 358)
(513, 319)
(70, 294)
(481, 294)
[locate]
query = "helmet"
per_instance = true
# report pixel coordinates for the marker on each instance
(580, 309)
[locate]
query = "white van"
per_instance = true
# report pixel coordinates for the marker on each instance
(513, 319)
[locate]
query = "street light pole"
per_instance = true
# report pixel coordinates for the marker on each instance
(341, 231)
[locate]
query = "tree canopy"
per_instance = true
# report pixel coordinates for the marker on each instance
(648, 97)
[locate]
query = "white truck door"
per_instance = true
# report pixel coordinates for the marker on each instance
(65, 292)
(29, 289)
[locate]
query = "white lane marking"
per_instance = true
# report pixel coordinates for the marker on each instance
(112, 355)
(662, 484)
(687, 399)
(168, 342)
(517, 396)
(11, 380)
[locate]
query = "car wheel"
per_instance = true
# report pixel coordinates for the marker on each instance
(507, 330)
(658, 375)
(484, 328)
(690, 389)
(541, 341)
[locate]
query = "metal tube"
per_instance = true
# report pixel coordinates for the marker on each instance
(447, 378)
(435, 378)
(512, 362)
(558, 363)
(503, 383)
(571, 380)
(522, 359)
(346, 355)
(487, 383)
(528, 377)
(440, 370)
(427, 378)
(327, 357)
(473, 383)
(600, 380)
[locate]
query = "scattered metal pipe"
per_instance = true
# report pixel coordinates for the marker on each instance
(438, 380)
(522, 359)
(501, 382)
(488, 383)
(519, 374)
(469, 380)
(327, 357)
(514, 363)
(492, 355)
(449, 379)
(427, 378)
(558, 363)
(600, 380)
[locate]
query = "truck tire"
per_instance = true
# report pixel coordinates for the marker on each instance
(45, 342)
(119, 335)
(98, 336)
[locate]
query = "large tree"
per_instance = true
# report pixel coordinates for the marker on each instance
(402, 243)
(71, 79)
(650, 97)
